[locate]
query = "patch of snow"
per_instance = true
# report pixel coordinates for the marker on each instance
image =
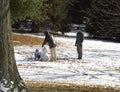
(100, 64)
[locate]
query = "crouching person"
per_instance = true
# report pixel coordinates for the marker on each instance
(37, 54)
(48, 39)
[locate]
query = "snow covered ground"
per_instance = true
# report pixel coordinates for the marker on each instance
(100, 64)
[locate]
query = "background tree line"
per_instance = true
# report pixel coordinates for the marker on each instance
(49, 13)
(102, 18)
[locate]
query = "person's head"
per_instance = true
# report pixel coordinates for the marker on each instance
(36, 50)
(78, 29)
(46, 33)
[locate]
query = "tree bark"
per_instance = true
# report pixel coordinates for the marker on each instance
(10, 79)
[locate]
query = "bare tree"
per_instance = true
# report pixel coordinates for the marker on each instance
(10, 80)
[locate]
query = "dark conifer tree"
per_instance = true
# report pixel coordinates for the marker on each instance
(104, 19)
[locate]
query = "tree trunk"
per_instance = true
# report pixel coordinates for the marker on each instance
(10, 80)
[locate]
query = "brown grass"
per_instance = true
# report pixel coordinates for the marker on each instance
(65, 87)
(26, 40)
(19, 39)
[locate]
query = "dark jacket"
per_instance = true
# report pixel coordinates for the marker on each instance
(79, 38)
(48, 39)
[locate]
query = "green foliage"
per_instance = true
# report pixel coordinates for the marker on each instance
(53, 13)
(58, 14)
(35, 9)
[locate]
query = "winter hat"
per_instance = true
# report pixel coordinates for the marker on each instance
(46, 33)
(78, 28)
(36, 50)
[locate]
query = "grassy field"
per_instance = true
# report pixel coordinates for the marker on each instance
(65, 87)
(55, 87)
(26, 40)
(19, 39)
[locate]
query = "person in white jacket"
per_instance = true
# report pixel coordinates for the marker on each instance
(44, 55)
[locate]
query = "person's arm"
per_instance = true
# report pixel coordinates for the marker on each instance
(45, 41)
(76, 39)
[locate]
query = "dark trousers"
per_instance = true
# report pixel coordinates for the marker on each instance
(79, 51)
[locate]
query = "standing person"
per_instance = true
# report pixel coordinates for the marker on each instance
(48, 39)
(78, 43)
